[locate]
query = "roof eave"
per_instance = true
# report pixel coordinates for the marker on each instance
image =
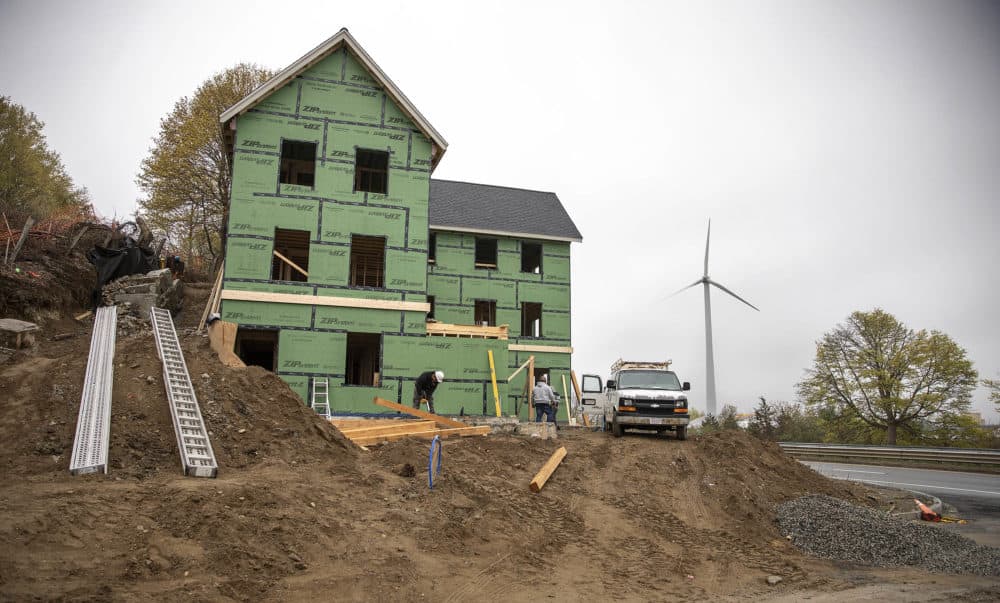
(319, 53)
(505, 233)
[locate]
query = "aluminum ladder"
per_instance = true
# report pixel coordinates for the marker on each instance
(93, 426)
(197, 456)
(320, 401)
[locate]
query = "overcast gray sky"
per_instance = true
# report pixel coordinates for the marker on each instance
(847, 152)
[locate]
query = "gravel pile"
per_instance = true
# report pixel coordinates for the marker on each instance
(834, 529)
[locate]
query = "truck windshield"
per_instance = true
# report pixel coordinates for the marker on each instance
(648, 380)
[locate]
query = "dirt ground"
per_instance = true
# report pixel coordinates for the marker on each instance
(298, 513)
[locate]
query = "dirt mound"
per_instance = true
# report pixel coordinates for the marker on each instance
(297, 513)
(49, 282)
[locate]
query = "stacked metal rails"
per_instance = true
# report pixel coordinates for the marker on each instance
(197, 456)
(93, 426)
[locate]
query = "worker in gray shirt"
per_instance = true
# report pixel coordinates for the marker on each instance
(545, 400)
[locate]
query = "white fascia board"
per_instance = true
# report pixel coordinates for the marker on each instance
(505, 233)
(321, 52)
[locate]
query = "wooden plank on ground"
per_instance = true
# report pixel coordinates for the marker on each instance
(403, 427)
(80, 317)
(349, 423)
(423, 414)
(546, 471)
(430, 433)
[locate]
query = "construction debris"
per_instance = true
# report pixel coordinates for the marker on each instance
(367, 432)
(546, 471)
(17, 334)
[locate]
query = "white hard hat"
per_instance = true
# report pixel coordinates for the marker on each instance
(439, 375)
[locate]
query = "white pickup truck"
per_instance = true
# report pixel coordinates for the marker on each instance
(640, 395)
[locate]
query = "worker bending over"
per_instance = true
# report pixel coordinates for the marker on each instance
(424, 388)
(545, 400)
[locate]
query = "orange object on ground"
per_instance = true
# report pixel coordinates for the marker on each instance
(926, 513)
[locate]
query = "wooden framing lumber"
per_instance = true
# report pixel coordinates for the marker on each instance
(493, 379)
(519, 369)
(222, 338)
(546, 471)
(579, 397)
(342, 424)
(216, 287)
(568, 401)
(323, 300)
(477, 331)
(80, 317)
(553, 349)
(402, 427)
(531, 387)
(20, 242)
(290, 263)
(428, 434)
(423, 414)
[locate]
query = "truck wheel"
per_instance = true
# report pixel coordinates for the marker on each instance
(682, 433)
(616, 429)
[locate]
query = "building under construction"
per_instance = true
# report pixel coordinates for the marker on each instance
(346, 262)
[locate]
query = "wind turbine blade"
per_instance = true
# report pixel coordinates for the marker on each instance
(697, 282)
(707, 239)
(734, 295)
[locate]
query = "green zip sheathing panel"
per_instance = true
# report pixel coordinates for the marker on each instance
(338, 106)
(456, 284)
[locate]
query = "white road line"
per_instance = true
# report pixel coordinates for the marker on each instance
(856, 471)
(931, 486)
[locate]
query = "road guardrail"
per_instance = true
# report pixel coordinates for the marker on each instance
(899, 454)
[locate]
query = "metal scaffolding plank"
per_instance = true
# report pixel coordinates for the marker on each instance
(93, 426)
(197, 456)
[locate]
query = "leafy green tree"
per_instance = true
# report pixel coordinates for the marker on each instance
(728, 418)
(874, 369)
(186, 177)
(994, 386)
(762, 423)
(33, 180)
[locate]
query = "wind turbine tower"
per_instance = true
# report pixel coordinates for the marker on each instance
(709, 355)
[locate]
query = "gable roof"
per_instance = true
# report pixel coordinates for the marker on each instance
(499, 210)
(333, 44)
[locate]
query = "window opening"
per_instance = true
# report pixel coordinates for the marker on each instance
(257, 347)
(531, 319)
(543, 372)
(432, 243)
(367, 261)
(485, 313)
(362, 359)
(486, 253)
(430, 313)
(531, 257)
(293, 245)
(298, 163)
(371, 171)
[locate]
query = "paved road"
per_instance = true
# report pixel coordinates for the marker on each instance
(975, 496)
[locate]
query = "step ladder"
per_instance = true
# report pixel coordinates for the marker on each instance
(197, 456)
(320, 401)
(93, 426)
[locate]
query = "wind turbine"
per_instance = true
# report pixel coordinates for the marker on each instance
(709, 356)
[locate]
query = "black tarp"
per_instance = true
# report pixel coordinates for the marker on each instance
(113, 264)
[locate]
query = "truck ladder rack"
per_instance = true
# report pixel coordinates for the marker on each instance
(197, 456)
(93, 427)
(622, 364)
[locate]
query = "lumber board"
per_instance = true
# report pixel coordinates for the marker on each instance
(519, 369)
(546, 471)
(552, 349)
(423, 414)
(348, 423)
(426, 435)
(80, 317)
(24, 237)
(324, 300)
(404, 427)
(278, 255)
(222, 338)
(211, 299)
(493, 380)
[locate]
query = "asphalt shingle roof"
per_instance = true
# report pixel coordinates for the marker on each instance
(464, 205)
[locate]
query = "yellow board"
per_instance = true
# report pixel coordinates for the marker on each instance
(493, 378)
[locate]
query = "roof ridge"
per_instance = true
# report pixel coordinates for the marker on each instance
(513, 188)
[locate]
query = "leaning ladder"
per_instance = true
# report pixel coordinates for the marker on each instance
(197, 457)
(320, 401)
(93, 427)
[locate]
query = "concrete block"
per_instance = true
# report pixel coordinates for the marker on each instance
(545, 431)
